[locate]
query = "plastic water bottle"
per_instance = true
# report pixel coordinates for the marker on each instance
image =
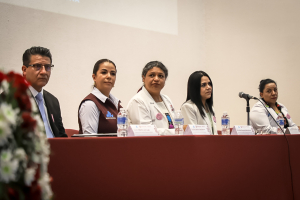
(225, 120)
(179, 121)
(122, 123)
(280, 121)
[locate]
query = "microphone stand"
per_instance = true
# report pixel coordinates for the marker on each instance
(247, 97)
(248, 112)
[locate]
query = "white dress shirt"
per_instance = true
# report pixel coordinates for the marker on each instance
(89, 112)
(34, 93)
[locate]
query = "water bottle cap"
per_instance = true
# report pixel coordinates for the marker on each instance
(225, 113)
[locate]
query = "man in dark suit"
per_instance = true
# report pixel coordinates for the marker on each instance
(37, 65)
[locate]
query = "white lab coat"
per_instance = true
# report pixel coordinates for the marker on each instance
(192, 115)
(261, 120)
(142, 109)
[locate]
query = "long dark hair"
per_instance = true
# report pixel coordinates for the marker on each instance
(193, 92)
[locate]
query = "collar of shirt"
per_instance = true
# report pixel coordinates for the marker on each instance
(34, 92)
(276, 104)
(103, 98)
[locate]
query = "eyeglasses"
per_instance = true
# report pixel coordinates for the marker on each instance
(38, 67)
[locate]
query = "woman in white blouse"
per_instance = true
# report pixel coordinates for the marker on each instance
(198, 108)
(260, 119)
(149, 106)
(98, 111)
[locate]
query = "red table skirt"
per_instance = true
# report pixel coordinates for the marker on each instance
(176, 167)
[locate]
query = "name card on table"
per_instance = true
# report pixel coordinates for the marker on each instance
(242, 130)
(292, 130)
(197, 130)
(142, 130)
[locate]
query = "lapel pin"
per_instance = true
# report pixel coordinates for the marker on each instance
(172, 108)
(214, 118)
(159, 116)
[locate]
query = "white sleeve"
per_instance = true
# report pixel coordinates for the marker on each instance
(89, 117)
(290, 121)
(292, 124)
(138, 113)
(260, 121)
(189, 114)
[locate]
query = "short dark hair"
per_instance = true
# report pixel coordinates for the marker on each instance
(35, 51)
(99, 62)
(193, 92)
(263, 83)
(152, 64)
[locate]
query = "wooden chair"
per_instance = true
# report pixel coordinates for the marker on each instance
(71, 132)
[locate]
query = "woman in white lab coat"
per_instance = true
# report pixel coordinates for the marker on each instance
(260, 118)
(149, 106)
(198, 108)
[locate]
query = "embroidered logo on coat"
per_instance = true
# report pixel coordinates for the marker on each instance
(109, 115)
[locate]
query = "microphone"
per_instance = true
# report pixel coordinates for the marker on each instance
(246, 96)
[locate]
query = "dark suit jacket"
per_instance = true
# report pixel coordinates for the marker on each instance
(54, 115)
(53, 109)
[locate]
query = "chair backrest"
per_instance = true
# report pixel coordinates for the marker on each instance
(71, 132)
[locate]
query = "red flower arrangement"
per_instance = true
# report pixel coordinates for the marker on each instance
(24, 148)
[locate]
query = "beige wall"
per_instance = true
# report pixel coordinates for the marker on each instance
(250, 40)
(237, 43)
